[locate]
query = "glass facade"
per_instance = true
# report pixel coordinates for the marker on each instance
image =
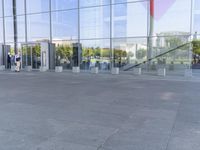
(196, 18)
(112, 33)
(65, 25)
(1, 30)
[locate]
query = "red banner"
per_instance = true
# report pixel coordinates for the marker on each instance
(152, 8)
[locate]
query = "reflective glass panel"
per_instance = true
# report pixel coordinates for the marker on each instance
(1, 30)
(86, 3)
(21, 28)
(196, 23)
(64, 53)
(36, 6)
(65, 25)
(1, 8)
(8, 5)
(96, 53)
(130, 19)
(9, 32)
(95, 22)
(63, 4)
(38, 27)
(125, 1)
(172, 16)
(197, 4)
(129, 51)
(20, 7)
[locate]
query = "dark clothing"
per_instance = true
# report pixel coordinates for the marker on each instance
(8, 62)
(9, 59)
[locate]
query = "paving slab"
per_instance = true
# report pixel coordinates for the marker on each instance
(65, 111)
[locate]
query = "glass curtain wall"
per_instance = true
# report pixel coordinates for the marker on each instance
(112, 33)
(171, 29)
(1, 30)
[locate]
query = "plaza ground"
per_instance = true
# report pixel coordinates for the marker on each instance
(51, 111)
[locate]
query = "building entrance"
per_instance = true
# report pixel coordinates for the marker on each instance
(31, 55)
(5, 57)
(38, 55)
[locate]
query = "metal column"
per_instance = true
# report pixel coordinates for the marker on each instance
(15, 26)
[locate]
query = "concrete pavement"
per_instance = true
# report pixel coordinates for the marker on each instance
(65, 111)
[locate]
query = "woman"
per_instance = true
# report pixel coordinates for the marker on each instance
(17, 62)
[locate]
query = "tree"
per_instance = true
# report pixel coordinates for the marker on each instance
(173, 41)
(141, 53)
(105, 52)
(97, 51)
(196, 46)
(88, 52)
(36, 50)
(64, 51)
(196, 51)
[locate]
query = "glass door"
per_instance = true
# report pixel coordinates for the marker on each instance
(36, 56)
(31, 54)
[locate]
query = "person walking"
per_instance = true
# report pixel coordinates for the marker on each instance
(9, 61)
(17, 63)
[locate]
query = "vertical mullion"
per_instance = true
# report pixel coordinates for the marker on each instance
(4, 31)
(50, 21)
(78, 21)
(111, 28)
(191, 30)
(79, 46)
(15, 26)
(26, 36)
(191, 17)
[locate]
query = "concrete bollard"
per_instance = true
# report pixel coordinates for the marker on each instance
(76, 69)
(13, 68)
(162, 72)
(94, 70)
(28, 68)
(59, 69)
(115, 71)
(43, 69)
(137, 71)
(188, 72)
(2, 68)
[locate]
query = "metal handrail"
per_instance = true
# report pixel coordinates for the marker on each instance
(160, 55)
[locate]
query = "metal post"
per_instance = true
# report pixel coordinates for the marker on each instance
(3, 14)
(151, 30)
(190, 53)
(111, 28)
(26, 38)
(15, 26)
(79, 48)
(31, 55)
(50, 21)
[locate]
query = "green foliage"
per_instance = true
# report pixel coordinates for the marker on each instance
(97, 51)
(105, 53)
(174, 41)
(141, 53)
(64, 51)
(196, 46)
(120, 53)
(90, 51)
(12, 51)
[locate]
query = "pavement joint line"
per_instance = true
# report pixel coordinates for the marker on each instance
(174, 124)
(102, 145)
(131, 77)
